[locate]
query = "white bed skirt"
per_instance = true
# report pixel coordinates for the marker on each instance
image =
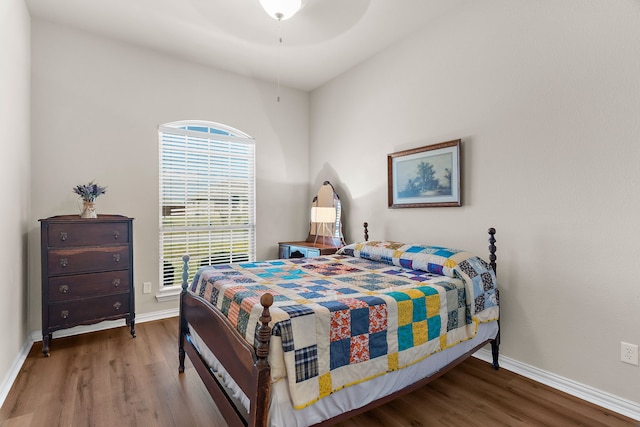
(282, 414)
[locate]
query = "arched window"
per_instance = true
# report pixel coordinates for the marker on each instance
(207, 196)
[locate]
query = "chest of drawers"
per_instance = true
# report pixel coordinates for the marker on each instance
(87, 272)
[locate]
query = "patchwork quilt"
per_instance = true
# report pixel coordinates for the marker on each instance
(372, 308)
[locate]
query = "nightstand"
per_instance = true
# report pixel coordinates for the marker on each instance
(304, 249)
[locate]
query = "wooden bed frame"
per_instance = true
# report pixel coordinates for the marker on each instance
(249, 366)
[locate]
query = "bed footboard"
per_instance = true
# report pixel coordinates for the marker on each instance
(248, 367)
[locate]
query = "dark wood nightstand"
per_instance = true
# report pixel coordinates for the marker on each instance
(304, 249)
(87, 272)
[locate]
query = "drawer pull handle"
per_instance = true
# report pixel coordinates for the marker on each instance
(63, 289)
(64, 314)
(64, 262)
(63, 236)
(117, 306)
(116, 283)
(116, 258)
(116, 234)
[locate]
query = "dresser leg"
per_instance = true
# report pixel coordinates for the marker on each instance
(45, 344)
(133, 328)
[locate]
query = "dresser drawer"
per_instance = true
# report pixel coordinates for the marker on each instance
(91, 310)
(61, 235)
(64, 288)
(302, 252)
(85, 260)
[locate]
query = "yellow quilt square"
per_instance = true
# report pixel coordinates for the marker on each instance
(392, 361)
(325, 384)
(405, 312)
(420, 333)
(433, 305)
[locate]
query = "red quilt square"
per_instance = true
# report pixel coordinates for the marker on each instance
(340, 325)
(359, 348)
(378, 318)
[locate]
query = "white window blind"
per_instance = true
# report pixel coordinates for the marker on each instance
(207, 197)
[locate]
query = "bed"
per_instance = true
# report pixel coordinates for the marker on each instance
(314, 341)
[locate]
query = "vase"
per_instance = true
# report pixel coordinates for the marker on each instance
(88, 210)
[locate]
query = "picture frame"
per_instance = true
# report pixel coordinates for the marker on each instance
(425, 177)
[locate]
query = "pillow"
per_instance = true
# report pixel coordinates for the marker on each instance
(432, 259)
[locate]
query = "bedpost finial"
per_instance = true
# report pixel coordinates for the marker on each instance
(366, 231)
(266, 300)
(185, 272)
(492, 249)
(264, 331)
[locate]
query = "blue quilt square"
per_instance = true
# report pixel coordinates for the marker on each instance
(378, 344)
(334, 305)
(433, 326)
(321, 282)
(340, 353)
(306, 363)
(419, 309)
(405, 337)
(427, 290)
(347, 291)
(289, 285)
(406, 263)
(414, 249)
(311, 295)
(283, 329)
(387, 260)
(280, 298)
(317, 288)
(444, 252)
(452, 320)
(372, 301)
(435, 268)
(226, 305)
(399, 296)
(239, 296)
(359, 321)
(296, 310)
(373, 287)
(243, 321)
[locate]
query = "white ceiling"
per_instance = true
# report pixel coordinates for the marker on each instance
(326, 38)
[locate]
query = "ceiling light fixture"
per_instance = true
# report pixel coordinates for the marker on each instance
(281, 10)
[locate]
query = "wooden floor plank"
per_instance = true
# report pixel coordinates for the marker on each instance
(107, 378)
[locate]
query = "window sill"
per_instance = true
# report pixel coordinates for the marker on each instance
(169, 293)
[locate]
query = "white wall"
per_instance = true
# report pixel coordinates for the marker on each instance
(15, 63)
(97, 105)
(546, 98)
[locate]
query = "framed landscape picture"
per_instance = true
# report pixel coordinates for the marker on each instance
(425, 177)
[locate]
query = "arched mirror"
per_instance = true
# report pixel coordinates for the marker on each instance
(326, 217)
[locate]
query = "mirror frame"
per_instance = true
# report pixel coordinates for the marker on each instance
(336, 237)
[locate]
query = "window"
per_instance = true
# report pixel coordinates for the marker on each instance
(207, 197)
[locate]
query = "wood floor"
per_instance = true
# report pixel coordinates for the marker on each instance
(109, 379)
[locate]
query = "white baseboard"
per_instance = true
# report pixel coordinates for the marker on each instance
(597, 397)
(15, 369)
(36, 336)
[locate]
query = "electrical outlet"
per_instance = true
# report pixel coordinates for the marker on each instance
(147, 290)
(629, 353)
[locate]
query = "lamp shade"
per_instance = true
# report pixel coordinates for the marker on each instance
(323, 215)
(281, 9)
